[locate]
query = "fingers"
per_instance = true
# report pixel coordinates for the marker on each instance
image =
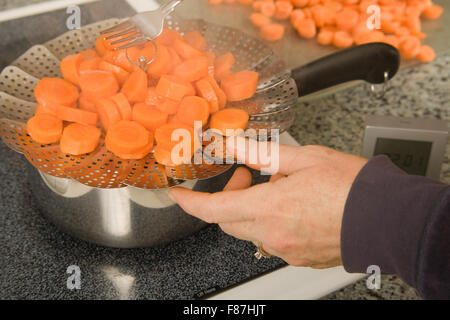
(225, 206)
(241, 179)
(271, 157)
(276, 177)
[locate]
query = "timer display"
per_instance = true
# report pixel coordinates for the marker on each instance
(410, 156)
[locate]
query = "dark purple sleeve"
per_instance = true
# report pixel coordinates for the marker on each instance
(400, 223)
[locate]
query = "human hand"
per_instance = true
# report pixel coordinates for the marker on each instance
(296, 216)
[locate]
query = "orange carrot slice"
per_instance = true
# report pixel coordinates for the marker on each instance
(90, 65)
(163, 135)
(229, 119)
(175, 59)
(108, 113)
(100, 46)
(87, 104)
(206, 91)
(185, 50)
(168, 106)
(193, 108)
(149, 116)
(409, 47)
(78, 139)
(76, 115)
(392, 40)
(296, 16)
(120, 73)
(135, 88)
(127, 137)
(272, 31)
(219, 92)
(174, 88)
(258, 19)
(240, 86)
(325, 37)
(168, 37)
(195, 39)
(164, 156)
(223, 64)
(283, 10)
(89, 54)
(347, 19)
(342, 39)
(432, 12)
(70, 68)
(123, 105)
(98, 84)
(161, 64)
(267, 8)
(426, 54)
(45, 128)
(54, 91)
(192, 69)
(306, 28)
(153, 98)
(45, 109)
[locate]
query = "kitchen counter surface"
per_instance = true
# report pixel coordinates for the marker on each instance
(35, 255)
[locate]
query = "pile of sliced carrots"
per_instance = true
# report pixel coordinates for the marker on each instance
(137, 111)
(343, 23)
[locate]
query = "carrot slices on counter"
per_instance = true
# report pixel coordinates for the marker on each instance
(174, 88)
(229, 119)
(98, 84)
(55, 91)
(272, 31)
(76, 115)
(426, 54)
(193, 108)
(78, 139)
(45, 128)
(135, 88)
(149, 116)
(240, 86)
(127, 137)
(258, 19)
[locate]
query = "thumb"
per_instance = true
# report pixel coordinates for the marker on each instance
(270, 157)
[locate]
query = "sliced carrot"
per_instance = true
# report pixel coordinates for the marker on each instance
(272, 31)
(120, 59)
(164, 156)
(175, 59)
(123, 105)
(108, 113)
(296, 16)
(89, 54)
(342, 39)
(409, 47)
(306, 28)
(127, 137)
(256, 6)
(219, 92)
(174, 88)
(70, 68)
(98, 84)
(372, 36)
(163, 135)
(320, 15)
(390, 26)
(135, 88)
(168, 106)
(258, 19)
(45, 109)
(206, 91)
(268, 8)
(168, 37)
(223, 64)
(392, 40)
(246, 2)
(137, 155)
(347, 19)
(193, 108)
(100, 46)
(185, 50)
(76, 115)
(90, 65)
(45, 128)
(195, 39)
(283, 10)
(78, 139)
(432, 12)
(120, 73)
(161, 64)
(325, 37)
(87, 104)
(152, 97)
(426, 54)
(192, 69)
(240, 86)
(413, 24)
(229, 119)
(402, 31)
(300, 3)
(211, 56)
(149, 116)
(54, 91)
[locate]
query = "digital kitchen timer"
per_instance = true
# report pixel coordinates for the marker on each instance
(417, 146)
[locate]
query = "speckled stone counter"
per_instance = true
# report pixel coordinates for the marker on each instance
(35, 255)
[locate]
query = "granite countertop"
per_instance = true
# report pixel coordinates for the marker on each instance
(35, 254)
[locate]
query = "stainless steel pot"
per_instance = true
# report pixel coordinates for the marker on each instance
(123, 218)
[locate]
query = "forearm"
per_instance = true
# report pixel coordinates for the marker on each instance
(400, 223)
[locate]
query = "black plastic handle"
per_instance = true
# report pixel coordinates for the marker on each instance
(367, 62)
